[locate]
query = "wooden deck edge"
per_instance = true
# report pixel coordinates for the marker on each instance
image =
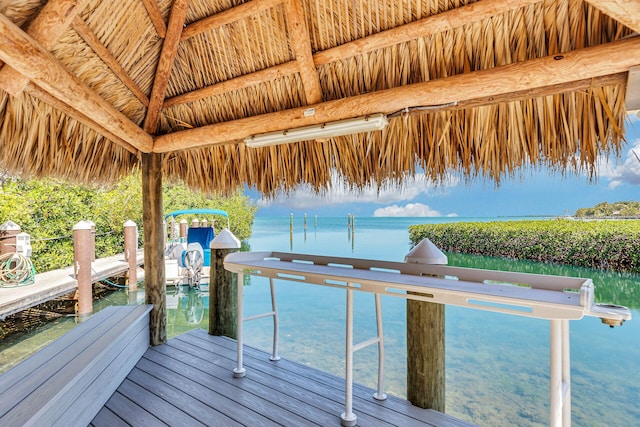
(68, 382)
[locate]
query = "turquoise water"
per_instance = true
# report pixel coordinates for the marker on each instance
(497, 365)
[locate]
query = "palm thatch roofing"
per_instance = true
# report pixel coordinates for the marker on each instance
(480, 88)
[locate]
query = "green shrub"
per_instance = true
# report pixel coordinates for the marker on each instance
(609, 245)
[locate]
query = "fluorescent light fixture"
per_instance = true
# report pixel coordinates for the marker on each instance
(324, 130)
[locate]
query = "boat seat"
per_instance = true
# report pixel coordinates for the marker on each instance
(204, 236)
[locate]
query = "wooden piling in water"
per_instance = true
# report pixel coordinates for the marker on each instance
(223, 287)
(425, 355)
(82, 257)
(130, 251)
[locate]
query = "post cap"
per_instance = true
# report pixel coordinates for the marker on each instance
(130, 223)
(10, 226)
(426, 252)
(225, 240)
(82, 225)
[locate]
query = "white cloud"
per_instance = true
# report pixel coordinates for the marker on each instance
(411, 209)
(626, 173)
(305, 198)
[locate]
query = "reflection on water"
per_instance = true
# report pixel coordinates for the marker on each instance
(187, 308)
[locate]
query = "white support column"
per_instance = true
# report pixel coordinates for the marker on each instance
(380, 394)
(276, 322)
(348, 418)
(566, 375)
(239, 371)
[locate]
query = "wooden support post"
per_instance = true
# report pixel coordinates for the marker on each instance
(223, 287)
(183, 229)
(154, 274)
(82, 257)
(425, 355)
(8, 232)
(130, 253)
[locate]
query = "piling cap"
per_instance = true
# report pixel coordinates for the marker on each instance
(10, 226)
(225, 240)
(426, 252)
(130, 223)
(82, 225)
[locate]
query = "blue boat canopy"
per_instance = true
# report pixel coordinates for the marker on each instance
(197, 212)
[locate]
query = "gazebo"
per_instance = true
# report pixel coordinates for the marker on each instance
(275, 93)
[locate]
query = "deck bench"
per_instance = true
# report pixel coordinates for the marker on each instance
(68, 382)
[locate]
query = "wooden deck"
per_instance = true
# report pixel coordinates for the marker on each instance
(189, 382)
(52, 284)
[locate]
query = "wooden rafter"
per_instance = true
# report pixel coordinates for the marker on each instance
(626, 12)
(228, 16)
(441, 22)
(156, 17)
(46, 28)
(434, 24)
(100, 49)
(522, 78)
(167, 57)
(299, 39)
(33, 61)
(238, 83)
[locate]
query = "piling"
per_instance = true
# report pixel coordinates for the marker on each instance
(82, 257)
(223, 287)
(195, 222)
(8, 232)
(130, 253)
(183, 230)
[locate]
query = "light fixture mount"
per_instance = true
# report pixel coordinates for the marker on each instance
(320, 131)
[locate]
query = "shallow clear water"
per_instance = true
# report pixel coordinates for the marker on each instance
(497, 365)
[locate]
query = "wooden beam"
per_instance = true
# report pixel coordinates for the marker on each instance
(627, 12)
(241, 82)
(25, 55)
(156, 17)
(583, 64)
(167, 57)
(45, 97)
(103, 53)
(152, 224)
(299, 39)
(228, 16)
(46, 28)
(441, 22)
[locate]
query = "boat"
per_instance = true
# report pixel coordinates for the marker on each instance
(188, 250)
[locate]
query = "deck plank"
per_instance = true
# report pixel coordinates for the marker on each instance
(190, 379)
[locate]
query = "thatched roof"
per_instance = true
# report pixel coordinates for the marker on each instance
(482, 88)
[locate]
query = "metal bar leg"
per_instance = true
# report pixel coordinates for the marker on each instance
(239, 370)
(555, 345)
(566, 375)
(380, 394)
(348, 418)
(276, 322)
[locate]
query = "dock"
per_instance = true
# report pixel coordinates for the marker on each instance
(189, 381)
(55, 283)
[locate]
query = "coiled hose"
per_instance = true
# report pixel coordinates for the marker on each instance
(16, 270)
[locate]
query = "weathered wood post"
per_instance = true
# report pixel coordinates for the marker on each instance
(223, 287)
(153, 226)
(183, 229)
(93, 239)
(8, 232)
(425, 340)
(131, 253)
(82, 257)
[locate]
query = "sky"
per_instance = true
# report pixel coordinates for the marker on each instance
(536, 192)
